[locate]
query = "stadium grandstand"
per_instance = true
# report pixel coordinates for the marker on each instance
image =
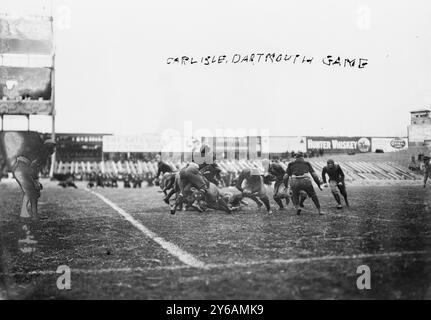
(73, 147)
(364, 159)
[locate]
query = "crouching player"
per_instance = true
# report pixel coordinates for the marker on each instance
(162, 168)
(169, 182)
(189, 177)
(298, 173)
(233, 197)
(336, 181)
(213, 198)
(250, 183)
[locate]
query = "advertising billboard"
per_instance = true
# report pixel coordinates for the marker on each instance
(389, 144)
(339, 144)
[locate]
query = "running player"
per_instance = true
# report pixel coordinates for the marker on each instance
(336, 181)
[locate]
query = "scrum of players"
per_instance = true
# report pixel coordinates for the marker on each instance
(197, 186)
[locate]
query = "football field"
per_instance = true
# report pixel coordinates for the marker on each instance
(124, 244)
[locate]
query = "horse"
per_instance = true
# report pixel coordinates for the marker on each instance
(25, 153)
(17, 143)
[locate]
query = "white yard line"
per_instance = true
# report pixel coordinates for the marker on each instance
(173, 249)
(396, 254)
(319, 259)
(99, 271)
(347, 215)
(344, 215)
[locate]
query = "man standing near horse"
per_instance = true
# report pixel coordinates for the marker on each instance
(26, 171)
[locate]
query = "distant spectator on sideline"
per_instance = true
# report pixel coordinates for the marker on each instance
(427, 169)
(127, 181)
(420, 157)
(413, 165)
(321, 152)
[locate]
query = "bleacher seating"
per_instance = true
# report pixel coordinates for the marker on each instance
(354, 170)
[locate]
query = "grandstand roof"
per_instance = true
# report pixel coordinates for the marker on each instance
(420, 110)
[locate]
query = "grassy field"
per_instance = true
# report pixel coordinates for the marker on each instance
(122, 243)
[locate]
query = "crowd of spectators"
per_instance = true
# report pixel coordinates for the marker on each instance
(97, 179)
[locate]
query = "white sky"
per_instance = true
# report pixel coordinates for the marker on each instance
(112, 76)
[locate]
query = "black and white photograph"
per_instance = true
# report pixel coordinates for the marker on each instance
(235, 151)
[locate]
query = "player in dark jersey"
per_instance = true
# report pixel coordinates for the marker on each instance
(209, 169)
(336, 181)
(211, 172)
(276, 172)
(298, 172)
(162, 167)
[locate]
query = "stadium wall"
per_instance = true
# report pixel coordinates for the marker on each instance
(96, 147)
